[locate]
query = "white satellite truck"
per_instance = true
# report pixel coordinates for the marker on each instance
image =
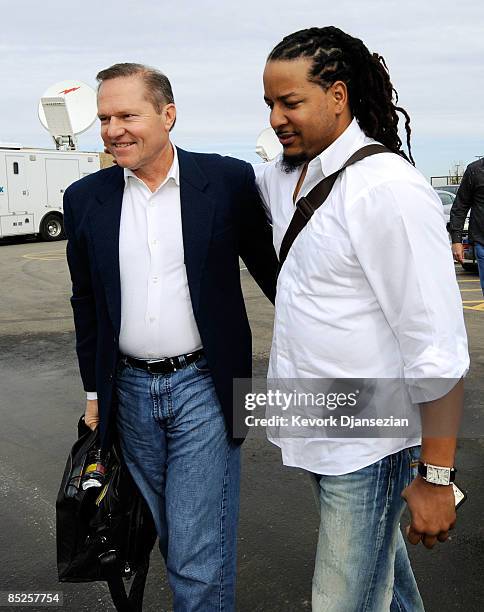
(268, 146)
(33, 181)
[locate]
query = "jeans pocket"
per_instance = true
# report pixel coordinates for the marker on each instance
(122, 367)
(201, 365)
(414, 458)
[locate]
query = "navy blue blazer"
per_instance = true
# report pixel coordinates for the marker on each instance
(222, 218)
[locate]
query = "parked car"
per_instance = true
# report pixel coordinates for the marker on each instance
(449, 188)
(447, 198)
(470, 263)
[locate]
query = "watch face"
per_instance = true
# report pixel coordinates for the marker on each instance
(438, 475)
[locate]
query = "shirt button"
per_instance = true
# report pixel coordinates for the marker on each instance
(154, 242)
(155, 279)
(152, 319)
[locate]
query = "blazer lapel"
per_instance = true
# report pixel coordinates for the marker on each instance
(104, 227)
(197, 210)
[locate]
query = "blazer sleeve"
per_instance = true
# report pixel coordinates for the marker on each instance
(255, 242)
(82, 300)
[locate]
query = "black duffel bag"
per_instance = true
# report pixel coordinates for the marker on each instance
(104, 533)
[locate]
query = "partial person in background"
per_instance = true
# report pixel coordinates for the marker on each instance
(161, 327)
(470, 196)
(354, 301)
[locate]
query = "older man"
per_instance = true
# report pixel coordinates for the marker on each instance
(153, 250)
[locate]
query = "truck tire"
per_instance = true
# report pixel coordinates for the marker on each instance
(52, 228)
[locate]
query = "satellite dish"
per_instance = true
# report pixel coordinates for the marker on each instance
(268, 146)
(67, 109)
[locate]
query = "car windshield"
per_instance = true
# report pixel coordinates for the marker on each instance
(445, 197)
(449, 188)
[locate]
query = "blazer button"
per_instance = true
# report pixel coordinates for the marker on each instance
(110, 377)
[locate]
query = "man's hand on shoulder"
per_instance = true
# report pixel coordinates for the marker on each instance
(432, 510)
(91, 416)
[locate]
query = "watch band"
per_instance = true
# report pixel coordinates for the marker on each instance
(436, 474)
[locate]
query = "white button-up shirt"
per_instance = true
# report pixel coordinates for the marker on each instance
(156, 309)
(368, 290)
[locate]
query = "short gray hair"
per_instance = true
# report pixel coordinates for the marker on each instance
(158, 86)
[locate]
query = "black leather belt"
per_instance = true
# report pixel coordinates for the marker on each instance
(166, 365)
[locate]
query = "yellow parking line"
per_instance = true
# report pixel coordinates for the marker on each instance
(46, 256)
(472, 301)
(467, 290)
(480, 307)
(473, 280)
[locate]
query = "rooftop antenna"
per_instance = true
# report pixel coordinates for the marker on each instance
(66, 109)
(268, 146)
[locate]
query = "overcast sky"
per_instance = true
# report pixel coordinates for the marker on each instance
(214, 53)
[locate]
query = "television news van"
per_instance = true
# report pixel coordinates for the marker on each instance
(32, 185)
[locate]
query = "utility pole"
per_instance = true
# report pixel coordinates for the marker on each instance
(454, 174)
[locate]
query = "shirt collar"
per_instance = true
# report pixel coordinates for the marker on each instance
(173, 172)
(332, 158)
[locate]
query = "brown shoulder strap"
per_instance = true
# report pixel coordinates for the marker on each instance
(307, 205)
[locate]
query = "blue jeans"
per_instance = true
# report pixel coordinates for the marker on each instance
(175, 443)
(361, 560)
(479, 251)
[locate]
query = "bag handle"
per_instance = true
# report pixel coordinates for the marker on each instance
(121, 600)
(307, 205)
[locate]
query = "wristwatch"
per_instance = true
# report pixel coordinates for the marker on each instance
(435, 474)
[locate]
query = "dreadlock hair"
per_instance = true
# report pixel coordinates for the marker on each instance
(337, 56)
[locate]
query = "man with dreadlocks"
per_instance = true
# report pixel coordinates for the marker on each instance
(354, 301)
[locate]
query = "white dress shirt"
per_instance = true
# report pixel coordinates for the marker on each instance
(368, 290)
(156, 310)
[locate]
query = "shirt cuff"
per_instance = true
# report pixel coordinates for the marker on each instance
(91, 395)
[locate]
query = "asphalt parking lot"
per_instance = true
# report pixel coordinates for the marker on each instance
(41, 399)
